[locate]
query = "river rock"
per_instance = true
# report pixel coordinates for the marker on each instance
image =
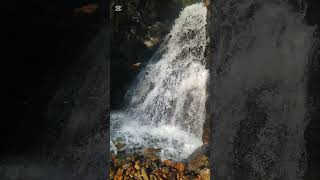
(204, 174)
(120, 146)
(203, 150)
(168, 162)
(144, 174)
(111, 173)
(179, 166)
(151, 152)
(131, 170)
(119, 174)
(118, 162)
(147, 166)
(126, 166)
(201, 161)
(137, 165)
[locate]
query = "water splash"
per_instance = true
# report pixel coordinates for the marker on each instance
(166, 106)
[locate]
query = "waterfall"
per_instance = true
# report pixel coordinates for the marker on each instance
(165, 107)
(259, 101)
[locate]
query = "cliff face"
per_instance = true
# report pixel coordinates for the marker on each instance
(232, 150)
(56, 90)
(44, 40)
(206, 137)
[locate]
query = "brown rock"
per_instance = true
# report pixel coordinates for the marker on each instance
(146, 164)
(180, 176)
(136, 66)
(87, 9)
(205, 174)
(118, 162)
(198, 163)
(126, 166)
(169, 162)
(157, 173)
(151, 42)
(153, 177)
(137, 176)
(179, 166)
(137, 165)
(119, 174)
(113, 157)
(188, 178)
(111, 173)
(154, 159)
(120, 146)
(206, 2)
(172, 176)
(206, 135)
(131, 171)
(151, 151)
(144, 174)
(165, 170)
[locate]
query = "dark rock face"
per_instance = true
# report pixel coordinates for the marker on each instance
(43, 42)
(56, 91)
(312, 135)
(256, 141)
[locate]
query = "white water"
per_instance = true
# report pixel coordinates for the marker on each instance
(166, 105)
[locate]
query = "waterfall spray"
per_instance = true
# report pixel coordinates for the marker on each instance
(166, 105)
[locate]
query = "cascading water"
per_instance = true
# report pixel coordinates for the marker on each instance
(258, 90)
(166, 106)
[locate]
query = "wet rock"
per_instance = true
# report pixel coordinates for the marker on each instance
(144, 174)
(180, 175)
(118, 162)
(151, 152)
(169, 162)
(204, 174)
(179, 166)
(136, 66)
(206, 2)
(126, 166)
(113, 157)
(203, 150)
(137, 165)
(153, 177)
(148, 165)
(120, 146)
(151, 42)
(111, 173)
(119, 174)
(206, 133)
(130, 171)
(201, 161)
(131, 158)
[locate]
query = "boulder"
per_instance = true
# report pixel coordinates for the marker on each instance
(204, 174)
(201, 161)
